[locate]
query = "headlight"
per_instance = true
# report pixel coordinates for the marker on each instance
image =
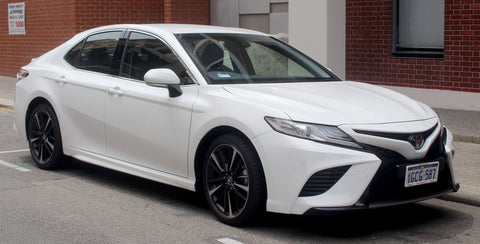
(314, 132)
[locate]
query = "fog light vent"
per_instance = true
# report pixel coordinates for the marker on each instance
(322, 181)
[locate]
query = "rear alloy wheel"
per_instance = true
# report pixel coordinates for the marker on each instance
(234, 182)
(44, 140)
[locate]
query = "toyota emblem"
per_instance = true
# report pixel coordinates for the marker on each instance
(416, 140)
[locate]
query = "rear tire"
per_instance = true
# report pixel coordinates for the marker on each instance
(44, 139)
(233, 181)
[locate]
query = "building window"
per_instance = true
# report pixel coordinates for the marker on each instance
(418, 28)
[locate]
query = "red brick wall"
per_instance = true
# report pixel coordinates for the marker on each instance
(96, 13)
(52, 22)
(369, 48)
(46, 26)
(187, 11)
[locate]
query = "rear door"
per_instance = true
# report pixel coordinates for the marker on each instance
(81, 89)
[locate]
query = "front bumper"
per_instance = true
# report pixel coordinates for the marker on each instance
(375, 177)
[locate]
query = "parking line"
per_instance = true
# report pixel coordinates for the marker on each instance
(8, 110)
(229, 241)
(13, 166)
(15, 151)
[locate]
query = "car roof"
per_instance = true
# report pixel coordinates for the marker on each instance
(179, 28)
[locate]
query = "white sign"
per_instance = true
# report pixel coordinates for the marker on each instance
(16, 18)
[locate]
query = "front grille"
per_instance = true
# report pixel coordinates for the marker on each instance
(387, 185)
(397, 136)
(322, 181)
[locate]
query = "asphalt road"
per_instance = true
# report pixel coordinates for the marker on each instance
(83, 203)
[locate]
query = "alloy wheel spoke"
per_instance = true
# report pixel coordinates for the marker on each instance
(230, 211)
(49, 147)
(37, 122)
(240, 194)
(217, 163)
(40, 150)
(47, 126)
(34, 140)
(212, 191)
(232, 160)
(243, 187)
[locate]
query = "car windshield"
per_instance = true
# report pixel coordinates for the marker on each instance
(245, 58)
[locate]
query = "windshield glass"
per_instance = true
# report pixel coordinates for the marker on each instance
(243, 58)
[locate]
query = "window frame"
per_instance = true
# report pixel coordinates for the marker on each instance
(75, 61)
(126, 38)
(428, 53)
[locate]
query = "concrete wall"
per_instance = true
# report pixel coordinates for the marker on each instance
(317, 27)
(268, 16)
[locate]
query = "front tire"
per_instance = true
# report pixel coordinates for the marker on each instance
(233, 180)
(44, 139)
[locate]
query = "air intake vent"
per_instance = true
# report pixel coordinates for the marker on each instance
(322, 181)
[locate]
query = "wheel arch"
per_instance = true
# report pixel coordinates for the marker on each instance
(202, 147)
(32, 105)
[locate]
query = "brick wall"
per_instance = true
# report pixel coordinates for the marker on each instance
(369, 48)
(52, 22)
(46, 26)
(187, 11)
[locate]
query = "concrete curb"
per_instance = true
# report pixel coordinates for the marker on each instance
(6, 102)
(469, 195)
(468, 139)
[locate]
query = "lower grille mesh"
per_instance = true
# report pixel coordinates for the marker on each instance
(322, 181)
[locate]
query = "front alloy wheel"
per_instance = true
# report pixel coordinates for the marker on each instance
(233, 181)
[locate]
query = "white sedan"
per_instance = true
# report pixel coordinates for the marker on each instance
(236, 114)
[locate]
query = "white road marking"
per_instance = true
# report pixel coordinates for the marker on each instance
(229, 241)
(13, 166)
(15, 151)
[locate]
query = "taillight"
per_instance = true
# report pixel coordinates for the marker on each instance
(22, 74)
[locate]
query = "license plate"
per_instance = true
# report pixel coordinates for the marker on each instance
(420, 174)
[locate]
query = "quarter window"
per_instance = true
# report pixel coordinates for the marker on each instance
(98, 52)
(418, 28)
(145, 52)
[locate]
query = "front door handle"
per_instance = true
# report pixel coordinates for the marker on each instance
(115, 91)
(61, 80)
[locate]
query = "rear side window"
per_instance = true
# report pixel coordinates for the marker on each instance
(96, 53)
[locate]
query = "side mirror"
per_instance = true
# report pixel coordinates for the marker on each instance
(162, 77)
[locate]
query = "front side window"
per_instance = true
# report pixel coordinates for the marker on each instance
(242, 58)
(96, 53)
(418, 28)
(145, 52)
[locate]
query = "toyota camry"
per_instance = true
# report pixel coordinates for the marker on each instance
(244, 118)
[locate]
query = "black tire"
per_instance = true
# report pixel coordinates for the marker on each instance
(44, 139)
(233, 181)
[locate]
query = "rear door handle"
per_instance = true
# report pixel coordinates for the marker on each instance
(115, 91)
(61, 80)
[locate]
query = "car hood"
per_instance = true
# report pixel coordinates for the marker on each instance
(335, 103)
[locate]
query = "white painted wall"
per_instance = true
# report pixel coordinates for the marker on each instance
(317, 27)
